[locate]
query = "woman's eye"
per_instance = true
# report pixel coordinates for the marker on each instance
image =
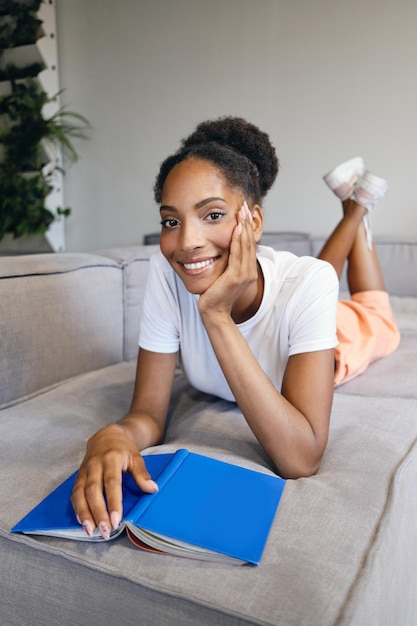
(214, 216)
(169, 223)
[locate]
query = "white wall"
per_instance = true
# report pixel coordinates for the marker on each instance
(328, 80)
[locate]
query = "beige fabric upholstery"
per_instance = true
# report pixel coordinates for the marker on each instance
(343, 547)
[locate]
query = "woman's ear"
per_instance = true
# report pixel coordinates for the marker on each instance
(258, 222)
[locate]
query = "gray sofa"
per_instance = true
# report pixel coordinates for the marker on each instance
(343, 547)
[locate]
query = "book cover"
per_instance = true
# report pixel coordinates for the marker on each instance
(205, 509)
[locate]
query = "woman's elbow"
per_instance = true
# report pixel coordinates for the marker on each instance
(302, 467)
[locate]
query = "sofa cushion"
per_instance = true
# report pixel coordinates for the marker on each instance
(70, 310)
(324, 536)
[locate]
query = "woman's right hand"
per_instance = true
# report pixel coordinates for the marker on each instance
(110, 452)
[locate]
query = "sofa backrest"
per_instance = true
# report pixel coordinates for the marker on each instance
(134, 261)
(61, 315)
(398, 257)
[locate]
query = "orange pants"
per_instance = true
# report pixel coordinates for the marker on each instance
(366, 330)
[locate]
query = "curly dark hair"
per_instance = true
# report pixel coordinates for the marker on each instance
(238, 149)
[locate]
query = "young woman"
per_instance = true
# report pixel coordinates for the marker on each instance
(252, 325)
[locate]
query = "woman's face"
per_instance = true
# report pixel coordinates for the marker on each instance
(199, 212)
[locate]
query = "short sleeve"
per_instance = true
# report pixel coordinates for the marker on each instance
(159, 328)
(313, 318)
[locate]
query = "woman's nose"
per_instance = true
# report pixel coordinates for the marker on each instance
(191, 235)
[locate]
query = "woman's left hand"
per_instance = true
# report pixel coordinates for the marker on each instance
(241, 272)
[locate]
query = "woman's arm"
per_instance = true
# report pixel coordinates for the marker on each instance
(115, 448)
(291, 425)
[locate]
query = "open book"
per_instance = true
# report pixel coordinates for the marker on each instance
(204, 509)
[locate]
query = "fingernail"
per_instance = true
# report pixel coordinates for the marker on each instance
(88, 528)
(153, 485)
(104, 530)
(239, 228)
(115, 520)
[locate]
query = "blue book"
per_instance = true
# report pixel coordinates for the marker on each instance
(205, 509)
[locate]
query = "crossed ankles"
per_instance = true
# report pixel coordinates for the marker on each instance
(351, 180)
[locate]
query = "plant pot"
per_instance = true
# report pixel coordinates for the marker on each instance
(22, 56)
(28, 244)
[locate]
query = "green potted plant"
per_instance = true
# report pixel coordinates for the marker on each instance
(20, 25)
(29, 138)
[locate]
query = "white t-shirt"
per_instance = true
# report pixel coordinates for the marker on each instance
(297, 314)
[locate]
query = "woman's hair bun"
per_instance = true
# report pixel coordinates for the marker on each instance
(244, 138)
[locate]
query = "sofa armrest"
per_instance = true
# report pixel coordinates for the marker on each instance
(61, 315)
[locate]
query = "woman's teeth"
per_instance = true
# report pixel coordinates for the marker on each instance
(197, 266)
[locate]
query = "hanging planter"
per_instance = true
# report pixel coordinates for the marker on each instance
(25, 136)
(19, 24)
(29, 139)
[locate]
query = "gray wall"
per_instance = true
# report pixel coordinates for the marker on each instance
(327, 79)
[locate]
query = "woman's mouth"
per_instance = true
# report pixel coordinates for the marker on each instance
(199, 264)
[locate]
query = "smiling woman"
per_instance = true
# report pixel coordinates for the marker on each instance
(253, 326)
